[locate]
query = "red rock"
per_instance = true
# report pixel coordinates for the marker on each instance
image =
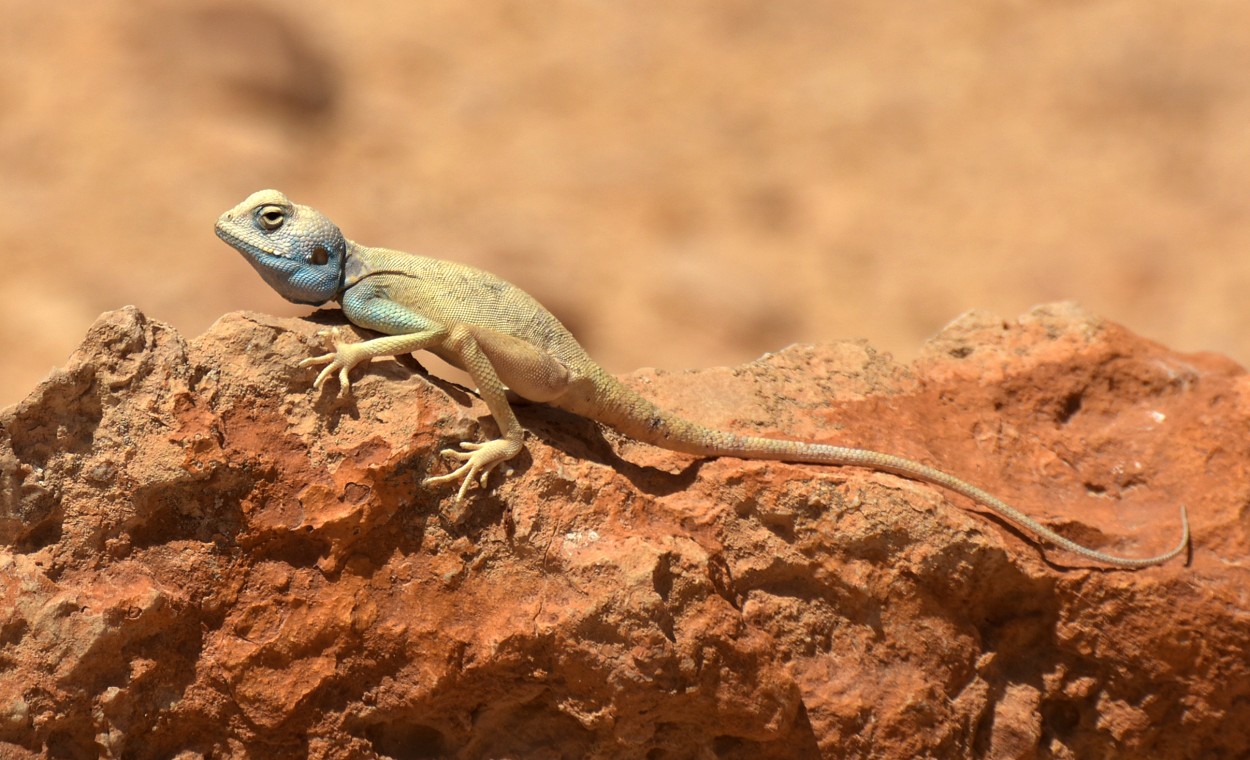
(201, 556)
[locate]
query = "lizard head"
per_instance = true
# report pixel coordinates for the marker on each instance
(298, 251)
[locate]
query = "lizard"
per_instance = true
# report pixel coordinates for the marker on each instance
(507, 341)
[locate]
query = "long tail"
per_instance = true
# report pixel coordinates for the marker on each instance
(638, 418)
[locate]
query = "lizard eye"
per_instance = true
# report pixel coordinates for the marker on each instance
(271, 218)
(319, 256)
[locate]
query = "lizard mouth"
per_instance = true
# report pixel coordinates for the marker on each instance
(224, 232)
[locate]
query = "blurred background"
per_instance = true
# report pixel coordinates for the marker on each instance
(684, 184)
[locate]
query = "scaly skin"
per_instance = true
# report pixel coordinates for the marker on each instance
(505, 339)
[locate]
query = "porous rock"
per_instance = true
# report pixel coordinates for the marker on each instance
(202, 556)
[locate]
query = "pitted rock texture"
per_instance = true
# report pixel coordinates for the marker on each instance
(201, 556)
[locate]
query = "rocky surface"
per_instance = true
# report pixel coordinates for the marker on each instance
(200, 556)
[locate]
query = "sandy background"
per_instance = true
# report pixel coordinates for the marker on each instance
(684, 184)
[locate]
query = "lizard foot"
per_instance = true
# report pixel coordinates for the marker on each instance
(344, 357)
(479, 459)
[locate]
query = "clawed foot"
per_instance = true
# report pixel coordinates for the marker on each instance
(479, 459)
(344, 357)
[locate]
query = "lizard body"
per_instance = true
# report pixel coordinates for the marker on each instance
(506, 340)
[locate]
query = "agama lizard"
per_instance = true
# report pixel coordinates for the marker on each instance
(506, 340)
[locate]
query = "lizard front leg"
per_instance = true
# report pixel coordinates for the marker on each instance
(347, 355)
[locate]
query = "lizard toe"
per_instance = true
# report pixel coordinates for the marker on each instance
(462, 456)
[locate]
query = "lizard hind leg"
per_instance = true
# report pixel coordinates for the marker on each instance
(494, 360)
